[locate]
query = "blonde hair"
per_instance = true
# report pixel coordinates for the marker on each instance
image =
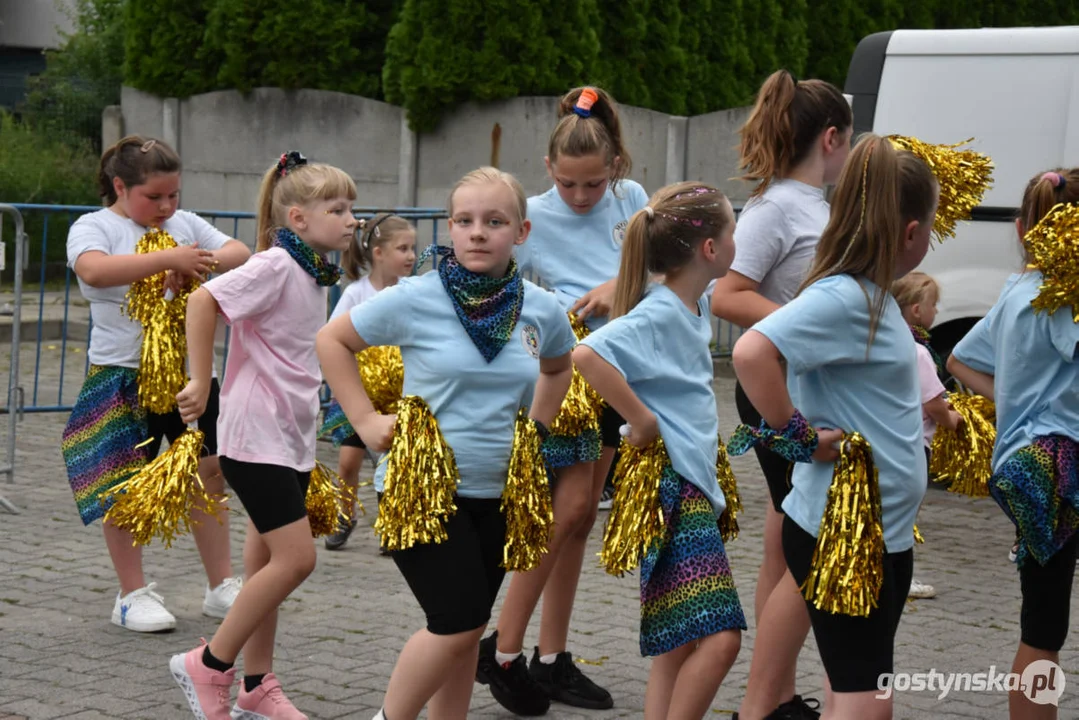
(1042, 193)
(488, 176)
(599, 133)
(915, 288)
(299, 185)
(377, 232)
(663, 237)
(786, 121)
(879, 191)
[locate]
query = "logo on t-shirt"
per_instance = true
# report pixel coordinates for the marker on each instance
(620, 232)
(530, 340)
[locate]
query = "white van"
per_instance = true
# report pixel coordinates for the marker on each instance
(1016, 92)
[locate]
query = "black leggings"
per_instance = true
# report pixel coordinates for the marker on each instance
(1047, 594)
(777, 470)
(457, 580)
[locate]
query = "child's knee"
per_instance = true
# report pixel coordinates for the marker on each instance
(724, 646)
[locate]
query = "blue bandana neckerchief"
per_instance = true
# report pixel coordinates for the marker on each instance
(314, 264)
(487, 307)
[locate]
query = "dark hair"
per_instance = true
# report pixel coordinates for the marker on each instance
(663, 237)
(596, 129)
(1044, 191)
(879, 192)
(373, 233)
(786, 120)
(134, 159)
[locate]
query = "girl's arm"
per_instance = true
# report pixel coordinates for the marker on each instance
(202, 311)
(231, 255)
(942, 414)
(555, 376)
(613, 388)
(979, 382)
(737, 300)
(337, 346)
(758, 365)
(100, 270)
(596, 302)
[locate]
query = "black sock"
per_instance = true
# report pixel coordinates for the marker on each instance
(213, 663)
(252, 681)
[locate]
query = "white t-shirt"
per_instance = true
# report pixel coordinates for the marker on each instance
(357, 292)
(116, 338)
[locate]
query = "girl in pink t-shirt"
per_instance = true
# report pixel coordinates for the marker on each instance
(275, 304)
(917, 295)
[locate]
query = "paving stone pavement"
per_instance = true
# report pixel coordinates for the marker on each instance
(341, 631)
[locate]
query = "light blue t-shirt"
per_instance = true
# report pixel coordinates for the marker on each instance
(823, 335)
(1033, 358)
(475, 402)
(574, 254)
(662, 350)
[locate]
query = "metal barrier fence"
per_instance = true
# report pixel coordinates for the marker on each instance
(63, 321)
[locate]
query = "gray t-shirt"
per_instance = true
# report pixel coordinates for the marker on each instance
(776, 237)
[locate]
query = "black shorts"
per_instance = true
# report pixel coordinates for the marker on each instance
(457, 580)
(353, 441)
(274, 496)
(609, 424)
(855, 651)
(777, 470)
(169, 425)
(1047, 593)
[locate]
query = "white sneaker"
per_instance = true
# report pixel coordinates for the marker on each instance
(606, 498)
(921, 590)
(142, 610)
(220, 599)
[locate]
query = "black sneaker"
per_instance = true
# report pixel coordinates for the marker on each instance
(800, 708)
(345, 526)
(606, 498)
(564, 682)
(511, 684)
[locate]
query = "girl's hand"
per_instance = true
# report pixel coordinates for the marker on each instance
(192, 400)
(191, 262)
(955, 420)
(642, 432)
(377, 431)
(597, 301)
(827, 445)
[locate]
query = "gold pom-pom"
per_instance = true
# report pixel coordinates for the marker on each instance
(963, 175)
(157, 501)
(582, 405)
(163, 357)
(847, 568)
(964, 457)
(526, 500)
(918, 536)
(636, 518)
(728, 521)
(421, 480)
(327, 494)
(383, 374)
(1053, 245)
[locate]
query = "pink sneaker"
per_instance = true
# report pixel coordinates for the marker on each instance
(206, 690)
(266, 702)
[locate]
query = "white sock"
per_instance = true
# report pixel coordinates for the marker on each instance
(548, 659)
(502, 658)
(381, 716)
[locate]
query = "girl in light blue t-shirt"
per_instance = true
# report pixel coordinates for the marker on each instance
(1025, 355)
(478, 343)
(574, 248)
(653, 364)
(851, 368)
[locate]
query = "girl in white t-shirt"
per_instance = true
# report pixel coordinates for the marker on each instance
(386, 249)
(109, 437)
(275, 305)
(917, 295)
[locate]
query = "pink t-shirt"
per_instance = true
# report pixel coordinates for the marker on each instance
(269, 397)
(931, 388)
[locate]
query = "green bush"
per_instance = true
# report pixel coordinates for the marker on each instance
(163, 42)
(37, 166)
(442, 53)
(321, 44)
